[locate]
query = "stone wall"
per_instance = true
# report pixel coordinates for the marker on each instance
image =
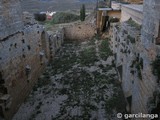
(21, 64)
(150, 32)
(125, 38)
(79, 31)
(135, 50)
(56, 39)
(25, 49)
(10, 18)
(132, 11)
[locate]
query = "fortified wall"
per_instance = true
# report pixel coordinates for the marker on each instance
(135, 44)
(25, 49)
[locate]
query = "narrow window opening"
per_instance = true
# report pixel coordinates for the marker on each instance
(120, 71)
(158, 38)
(129, 104)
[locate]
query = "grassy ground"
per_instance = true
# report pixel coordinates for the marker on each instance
(80, 84)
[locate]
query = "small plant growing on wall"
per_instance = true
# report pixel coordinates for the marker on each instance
(138, 63)
(132, 23)
(156, 67)
(138, 67)
(131, 39)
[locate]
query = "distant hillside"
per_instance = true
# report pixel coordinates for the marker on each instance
(56, 5)
(87, 1)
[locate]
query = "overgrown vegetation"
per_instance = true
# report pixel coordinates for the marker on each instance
(88, 56)
(138, 63)
(87, 84)
(64, 17)
(104, 49)
(61, 17)
(42, 81)
(131, 39)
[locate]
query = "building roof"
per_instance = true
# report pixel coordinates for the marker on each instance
(105, 9)
(108, 9)
(134, 7)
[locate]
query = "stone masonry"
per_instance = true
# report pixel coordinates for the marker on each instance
(25, 49)
(135, 48)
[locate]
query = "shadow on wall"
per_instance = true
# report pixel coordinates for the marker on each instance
(44, 44)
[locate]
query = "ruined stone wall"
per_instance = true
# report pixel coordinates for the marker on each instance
(21, 64)
(56, 40)
(125, 38)
(134, 58)
(150, 32)
(25, 49)
(79, 31)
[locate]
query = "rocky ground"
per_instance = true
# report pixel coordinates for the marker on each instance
(80, 84)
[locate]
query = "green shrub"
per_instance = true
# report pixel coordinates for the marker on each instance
(104, 49)
(132, 23)
(62, 17)
(40, 17)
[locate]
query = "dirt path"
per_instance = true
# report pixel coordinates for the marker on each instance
(80, 84)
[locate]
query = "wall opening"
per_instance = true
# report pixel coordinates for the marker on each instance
(129, 102)
(106, 24)
(120, 71)
(1, 78)
(43, 42)
(3, 90)
(158, 38)
(1, 112)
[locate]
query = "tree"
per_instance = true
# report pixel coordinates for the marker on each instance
(40, 17)
(82, 12)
